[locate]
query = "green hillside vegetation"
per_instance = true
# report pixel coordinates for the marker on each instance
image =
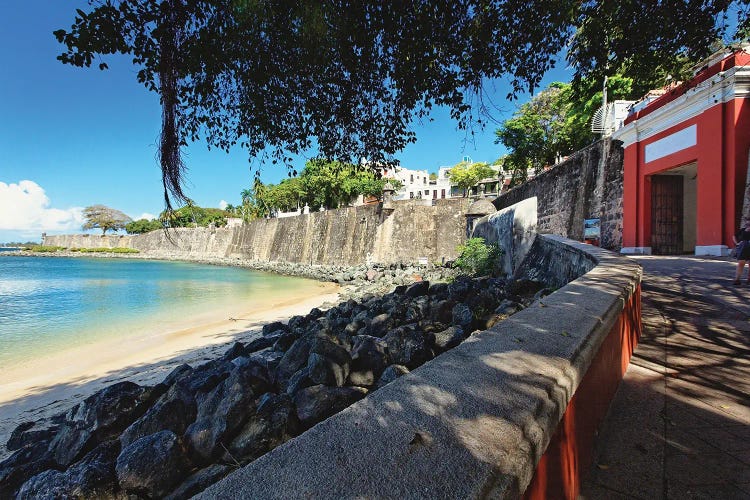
(557, 121)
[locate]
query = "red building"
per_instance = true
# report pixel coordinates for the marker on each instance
(686, 161)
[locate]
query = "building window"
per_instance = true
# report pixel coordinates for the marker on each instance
(434, 194)
(411, 177)
(411, 194)
(442, 193)
(425, 180)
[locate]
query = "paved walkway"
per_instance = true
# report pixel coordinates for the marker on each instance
(679, 426)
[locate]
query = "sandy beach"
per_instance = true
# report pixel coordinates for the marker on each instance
(48, 385)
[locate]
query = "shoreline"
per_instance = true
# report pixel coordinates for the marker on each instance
(33, 391)
(46, 394)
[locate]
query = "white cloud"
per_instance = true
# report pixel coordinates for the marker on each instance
(223, 204)
(25, 207)
(145, 215)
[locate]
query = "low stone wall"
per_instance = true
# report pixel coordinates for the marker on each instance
(512, 410)
(348, 236)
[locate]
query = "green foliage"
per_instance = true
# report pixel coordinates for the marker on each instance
(43, 248)
(277, 77)
(193, 216)
(465, 174)
(557, 121)
(322, 183)
(105, 250)
(104, 218)
(143, 226)
(476, 257)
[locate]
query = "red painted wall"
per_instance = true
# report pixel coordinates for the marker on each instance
(721, 153)
(569, 456)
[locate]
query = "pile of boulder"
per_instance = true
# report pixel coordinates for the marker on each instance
(174, 439)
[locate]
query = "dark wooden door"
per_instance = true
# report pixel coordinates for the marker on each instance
(666, 214)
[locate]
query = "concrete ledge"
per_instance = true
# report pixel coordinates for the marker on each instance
(715, 250)
(475, 421)
(636, 250)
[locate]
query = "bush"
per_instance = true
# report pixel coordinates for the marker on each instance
(107, 250)
(43, 248)
(478, 258)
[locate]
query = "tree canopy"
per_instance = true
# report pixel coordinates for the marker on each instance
(322, 183)
(350, 77)
(104, 218)
(141, 226)
(193, 216)
(466, 174)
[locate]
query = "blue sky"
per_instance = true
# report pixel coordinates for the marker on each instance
(85, 136)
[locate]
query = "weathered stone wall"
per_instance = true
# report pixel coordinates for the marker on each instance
(587, 185)
(348, 236)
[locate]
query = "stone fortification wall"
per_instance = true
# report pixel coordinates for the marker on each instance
(348, 236)
(587, 185)
(194, 243)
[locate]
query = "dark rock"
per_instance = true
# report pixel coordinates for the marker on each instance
(199, 481)
(207, 376)
(362, 378)
(417, 289)
(254, 372)
(267, 358)
(438, 290)
(314, 314)
(296, 322)
(294, 359)
(392, 373)
(460, 288)
(442, 311)
(328, 347)
(508, 307)
(92, 477)
(399, 290)
(380, 325)
(177, 374)
(319, 402)
(274, 423)
(462, 315)
(284, 342)
(429, 326)
(274, 327)
(235, 351)
(449, 338)
(261, 343)
(221, 413)
(414, 313)
(98, 418)
(409, 346)
(31, 432)
(21, 466)
(299, 380)
(324, 370)
(174, 411)
(524, 287)
(153, 465)
(369, 354)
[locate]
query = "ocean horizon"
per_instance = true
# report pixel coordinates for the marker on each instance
(49, 305)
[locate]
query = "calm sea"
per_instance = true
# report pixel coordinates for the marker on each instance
(49, 304)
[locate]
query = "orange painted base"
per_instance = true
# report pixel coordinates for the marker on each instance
(562, 468)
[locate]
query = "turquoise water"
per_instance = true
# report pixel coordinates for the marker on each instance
(48, 304)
